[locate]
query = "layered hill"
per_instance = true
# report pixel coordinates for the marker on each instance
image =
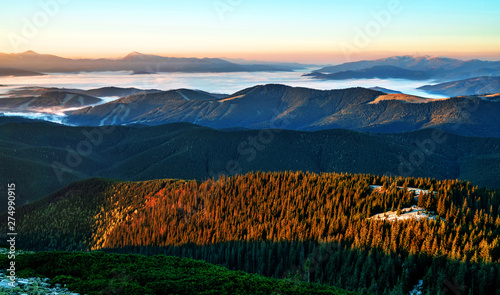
(51, 100)
(381, 72)
(284, 225)
(280, 106)
(116, 91)
(56, 155)
(473, 86)
(134, 61)
(18, 72)
(97, 92)
(440, 68)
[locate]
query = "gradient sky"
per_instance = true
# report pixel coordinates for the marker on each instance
(326, 31)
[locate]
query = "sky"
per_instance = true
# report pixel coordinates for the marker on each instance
(314, 31)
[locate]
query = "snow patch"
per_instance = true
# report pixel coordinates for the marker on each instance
(114, 115)
(67, 98)
(417, 289)
(414, 213)
(417, 191)
(183, 95)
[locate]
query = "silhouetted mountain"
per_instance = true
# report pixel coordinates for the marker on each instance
(473, 86)
(280, 106)
(134, 61)
(51, 99)
(143, 73)
(17, 72)
(381, 72)
(56, 155)
(291, 65)
(440, 68)
(17, 119)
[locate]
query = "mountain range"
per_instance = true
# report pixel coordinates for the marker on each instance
(137, 62)
(381, 72)
(56, 155)
(283, 182)
(472, 86)
(53, 99)
(96, 92)
(49, 100)
(296, 108)
(411, 67)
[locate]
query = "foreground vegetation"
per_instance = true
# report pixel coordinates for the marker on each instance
(100, 273)
(306, 226)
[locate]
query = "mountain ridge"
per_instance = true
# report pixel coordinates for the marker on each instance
(473, 86)
(379, 71)
(18, 73)
(300, 108)
(136, 62)
(439, 68)
(50, 100)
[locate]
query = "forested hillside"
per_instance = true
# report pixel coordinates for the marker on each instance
(314, 227)
(57, 155)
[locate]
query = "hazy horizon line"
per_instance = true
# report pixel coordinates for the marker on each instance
(288, 57)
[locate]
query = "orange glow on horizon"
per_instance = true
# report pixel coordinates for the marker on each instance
(299, 57)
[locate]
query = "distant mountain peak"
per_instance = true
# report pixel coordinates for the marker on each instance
(30, 52)
(135, 54)
(413, 57)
